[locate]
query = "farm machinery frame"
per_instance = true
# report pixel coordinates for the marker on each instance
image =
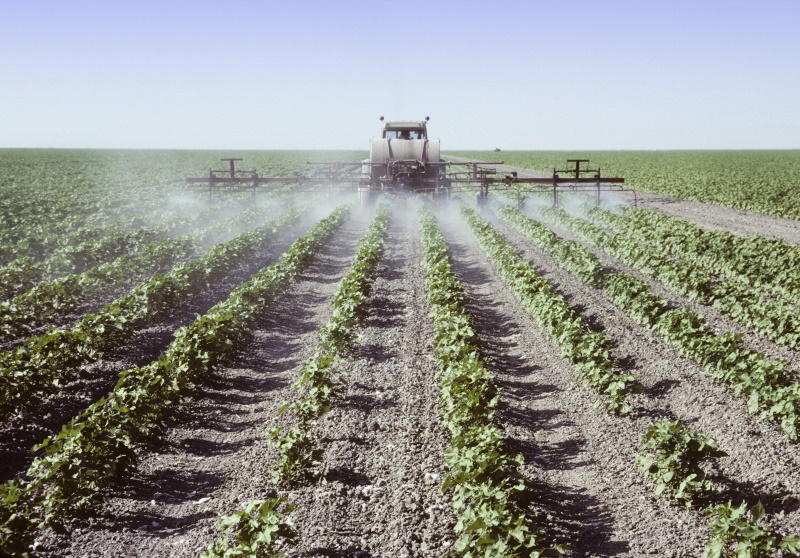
(405, 161)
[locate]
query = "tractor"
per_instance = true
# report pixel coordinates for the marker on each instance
(404, 160)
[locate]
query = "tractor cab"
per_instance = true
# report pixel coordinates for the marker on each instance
(405, 130)
(403, 159)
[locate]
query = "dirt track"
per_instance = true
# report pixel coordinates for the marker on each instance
(377, 490)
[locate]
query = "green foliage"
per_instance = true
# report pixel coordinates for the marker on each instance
(677, 464)
(586, 350)
(74, 259)
(747, 264)
(770, 390)
(254, 531)
(297, 452)
(766, 263)
(42, 363)
(97, 447)
(484, 475)
(763, 181)
(49, 300)
(634, 296)
(569, 254)
(681, 277)
(17, 533)
(736, 533)
(296, 447)
(55, 198)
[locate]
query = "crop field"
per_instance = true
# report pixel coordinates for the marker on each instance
(302, 375)
(763, 181)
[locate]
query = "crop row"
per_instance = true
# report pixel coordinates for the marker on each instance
(318, 383)
(484, 474)
(98, 446)
(37, 229)
(674, 462)
(776, 320)
(255, 529)
(34, 201)
(766, 383)
(55, 198)
(23, 273)
(49, 236)
(38, 366)
(47, 301)
(48, 195)
(33, 263)
(763, 181)
(588, 351)
(766, 263)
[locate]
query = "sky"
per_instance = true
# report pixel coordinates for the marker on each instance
(312, 74)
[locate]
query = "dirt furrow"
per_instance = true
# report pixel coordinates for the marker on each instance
(383, 462)
(762, 464)
(94, 380)
(580, 459)
(215, 455)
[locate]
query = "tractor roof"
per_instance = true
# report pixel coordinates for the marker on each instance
(404, 124)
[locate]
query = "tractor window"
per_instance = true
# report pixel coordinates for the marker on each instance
(404, 134)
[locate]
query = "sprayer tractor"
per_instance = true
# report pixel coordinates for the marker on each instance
(405, 161)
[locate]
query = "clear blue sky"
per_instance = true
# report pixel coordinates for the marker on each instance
(240, 74)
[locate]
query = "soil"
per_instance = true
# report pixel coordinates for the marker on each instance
(90, 382)
(376, 491)
(585, 457)
(712, 216)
